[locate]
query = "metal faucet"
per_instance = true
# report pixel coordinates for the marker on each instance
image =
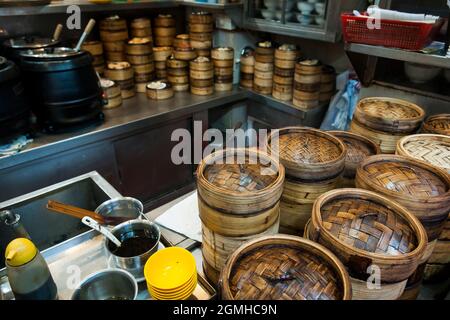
(13, 220)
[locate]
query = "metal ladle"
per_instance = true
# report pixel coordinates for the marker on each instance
(103, 230)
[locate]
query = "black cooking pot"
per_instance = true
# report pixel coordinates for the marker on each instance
(63, 86)
(14, 110)
(14, 46)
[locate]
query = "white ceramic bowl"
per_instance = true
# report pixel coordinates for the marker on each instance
(320, 8)
(270, 4)
(305, 19)
(268, 14)
(419, 74)
(305, 7)
(320, 21)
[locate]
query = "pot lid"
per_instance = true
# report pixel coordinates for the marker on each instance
(30, 42)
(51, 53)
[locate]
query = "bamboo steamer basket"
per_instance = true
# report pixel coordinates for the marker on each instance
(363, 229)
(180, 87)
(160, 65)
(221, 87)
(139, 46)
(215, 184)
(164, 41)
(95, 48)
(203, 66)
(141, 59)
(202, 46)
(113, 23)
(265, 52)
(182, 42)
(307, 82)
(114, 46)
(421, 188)
(201, 17)
(284, 268)
(201, 27)
(119, 71)
(144, 68)
(201, 36)
(358, 149)
(161, 54)
(202, 91)
(389, 115)
(115, 56)
(164, 20)
(112, 36)
(127, 88)
(287, 52)
(287, 73)
(323, 157)
(438, 124)
(185, 55)
(247, 68)
(159, 90)
(386, 141)
(431, 148)
(112, 93)
(165, 32)
(312, 168)
(223, 72)
(178, 79)
(143, 77)
(141, 27)
(222, 53)
(176, 64)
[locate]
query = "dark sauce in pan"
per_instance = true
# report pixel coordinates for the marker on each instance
(134, 243)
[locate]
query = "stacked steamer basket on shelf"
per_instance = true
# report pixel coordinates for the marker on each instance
(284, 268)
(421, 188)
(327, 84)
(140, 56)
(264, 66)
(122, 74)
(178, 74)
(160, 55)
(307, 83)
(201, 75)
(386, 120)
(182, 48)
(247, 68)
(238, 197)
(164, 30)
(141, 28)
(114, 35)
(437, 124)
(200, 32)
(159, 90)
(283, 77)
(95, 48)
(223, 60)
(435, 150)
(314, 161)
(358, 149)
(373, 236)
(112, 93)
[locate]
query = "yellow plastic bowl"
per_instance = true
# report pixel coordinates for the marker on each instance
(170, 268)
(176, 295)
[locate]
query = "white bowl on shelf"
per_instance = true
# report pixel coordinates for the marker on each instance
(320, 20)
(320, 8)
(419, 74)
(268, 14)
(270, 4)
(305, 19)
(305, 7)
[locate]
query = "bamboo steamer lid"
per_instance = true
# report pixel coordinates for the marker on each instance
(265, 48)
(93, 47)
(113, 23)
(240, 188)
(358, 149)
(431, 148)
(139, 46)
(283, 267)
(201, 17)
(438, 124)
(201, 64)
(164, 20)
(364, 228)
(222, 53)
(307, 153)
(119, 70)
(159, 90)
(418, 186)
(140, 23)
(389, 115)
(287, 52)
(308, 67)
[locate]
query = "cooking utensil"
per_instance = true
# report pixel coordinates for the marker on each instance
(86, 32)
(108, 284)
(124, 208)
(138, 237)
(74, 211)
(96, 226)
(57, 33)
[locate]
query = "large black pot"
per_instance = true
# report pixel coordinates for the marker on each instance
(14, 110)
(14, 46)
(63, 86)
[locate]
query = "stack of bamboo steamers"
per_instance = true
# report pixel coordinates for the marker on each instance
(114, 35)
(283, 77)
(200, 32)
(140, 56)
(263, 69)
(223, 60)
(164, 30)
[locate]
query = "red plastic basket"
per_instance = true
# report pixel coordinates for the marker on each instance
(392, 33)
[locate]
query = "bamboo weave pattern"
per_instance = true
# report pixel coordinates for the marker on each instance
(434, 152)
(388, 110)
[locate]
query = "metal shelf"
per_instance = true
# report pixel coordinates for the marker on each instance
(398, 54)
(61, 6)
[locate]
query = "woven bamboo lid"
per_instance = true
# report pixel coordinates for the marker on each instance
(358, 148)
(284, 268)
(389, 115)
(307, 153)
(438, 124)
(240, 180)
(431, 148)
(363, 228)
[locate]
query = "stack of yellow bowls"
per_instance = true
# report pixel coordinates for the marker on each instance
(171, 274)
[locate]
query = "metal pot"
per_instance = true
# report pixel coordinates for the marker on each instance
(63, 86)
(15, 46)
(109, 284)
(125, 207)
(130, 229)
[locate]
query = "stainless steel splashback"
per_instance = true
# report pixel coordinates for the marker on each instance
(47, 228)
